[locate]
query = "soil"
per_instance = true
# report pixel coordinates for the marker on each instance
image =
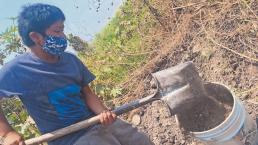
(205, 115)
(222, 45)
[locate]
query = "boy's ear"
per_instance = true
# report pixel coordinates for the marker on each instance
(37, 38)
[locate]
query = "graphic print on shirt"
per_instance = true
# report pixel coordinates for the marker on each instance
(68, 104)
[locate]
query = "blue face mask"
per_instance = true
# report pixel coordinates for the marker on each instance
(55, 45)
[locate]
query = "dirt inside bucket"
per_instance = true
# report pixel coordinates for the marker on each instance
(205, 115)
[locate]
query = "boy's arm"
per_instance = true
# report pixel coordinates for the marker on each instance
(7, 134)
(4, 125)
(94, 103)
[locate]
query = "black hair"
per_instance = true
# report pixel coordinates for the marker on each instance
(37, 18)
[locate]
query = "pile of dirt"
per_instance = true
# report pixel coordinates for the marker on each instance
(220, 37)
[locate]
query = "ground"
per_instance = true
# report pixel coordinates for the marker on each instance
(221, 39)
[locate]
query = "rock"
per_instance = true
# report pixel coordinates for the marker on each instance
(136, 119)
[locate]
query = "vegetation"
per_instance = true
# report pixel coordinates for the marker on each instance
(18, 117)
(10, 42)
(118, 49)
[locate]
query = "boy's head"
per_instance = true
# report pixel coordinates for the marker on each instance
(37, 21)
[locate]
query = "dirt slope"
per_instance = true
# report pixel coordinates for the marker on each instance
(220, 37)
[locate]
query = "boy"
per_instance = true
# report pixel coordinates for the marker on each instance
(53, 85)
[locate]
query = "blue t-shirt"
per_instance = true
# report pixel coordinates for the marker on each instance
(51, 92)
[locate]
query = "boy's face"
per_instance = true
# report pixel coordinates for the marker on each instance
(56, 29)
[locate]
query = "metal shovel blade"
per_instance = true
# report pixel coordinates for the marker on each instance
(179, 86)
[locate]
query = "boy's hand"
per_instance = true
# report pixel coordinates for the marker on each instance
(13, 138)
(107, 117)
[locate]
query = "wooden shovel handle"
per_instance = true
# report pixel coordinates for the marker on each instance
(64, 131)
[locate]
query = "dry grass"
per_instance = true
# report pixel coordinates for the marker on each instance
(208, 26)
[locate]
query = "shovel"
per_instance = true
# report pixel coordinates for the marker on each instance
(177, 86)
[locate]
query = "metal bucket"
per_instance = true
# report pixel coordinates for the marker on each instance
(237, 129)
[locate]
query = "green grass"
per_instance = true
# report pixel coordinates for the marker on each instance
(118, 49)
